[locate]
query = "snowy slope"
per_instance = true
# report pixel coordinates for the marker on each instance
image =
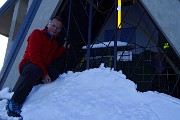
(95, 94)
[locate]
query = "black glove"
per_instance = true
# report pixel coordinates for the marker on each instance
(67, 41)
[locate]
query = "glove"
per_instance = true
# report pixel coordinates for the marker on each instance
(66, 43)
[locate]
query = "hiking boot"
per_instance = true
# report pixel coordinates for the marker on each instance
(13, 109)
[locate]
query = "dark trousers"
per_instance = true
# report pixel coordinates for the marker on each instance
(30, 75)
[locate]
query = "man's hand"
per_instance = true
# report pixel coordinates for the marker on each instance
(66, 45)
(46, 79)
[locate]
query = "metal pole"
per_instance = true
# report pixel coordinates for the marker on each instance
(89, 34)
(67, 32)
(115, 38)
(69, 18)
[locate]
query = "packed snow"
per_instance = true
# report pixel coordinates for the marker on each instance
(94, 94)
(105, 44)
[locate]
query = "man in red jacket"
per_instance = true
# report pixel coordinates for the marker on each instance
(42, 50)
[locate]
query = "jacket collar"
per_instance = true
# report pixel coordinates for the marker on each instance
(51, 36)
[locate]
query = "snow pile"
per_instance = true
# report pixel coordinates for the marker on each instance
(5, 94)
(96, 94)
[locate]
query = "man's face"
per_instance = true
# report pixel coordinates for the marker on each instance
(54, 27)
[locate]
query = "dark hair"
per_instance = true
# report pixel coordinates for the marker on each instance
(57, 18)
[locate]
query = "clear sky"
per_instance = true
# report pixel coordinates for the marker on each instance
(2, 2)
(3, 42)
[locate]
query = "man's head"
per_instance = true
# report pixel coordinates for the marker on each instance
(55, 25)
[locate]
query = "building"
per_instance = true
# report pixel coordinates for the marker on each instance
(149, 29)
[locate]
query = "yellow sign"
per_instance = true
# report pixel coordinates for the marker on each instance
(119, 14)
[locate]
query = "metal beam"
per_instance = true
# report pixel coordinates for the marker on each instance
(89, 34)
(19, 40)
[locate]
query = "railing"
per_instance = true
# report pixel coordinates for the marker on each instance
(141, 67)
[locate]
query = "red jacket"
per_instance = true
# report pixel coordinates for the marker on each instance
(41, 50)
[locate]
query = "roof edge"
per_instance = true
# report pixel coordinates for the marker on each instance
(6, 5)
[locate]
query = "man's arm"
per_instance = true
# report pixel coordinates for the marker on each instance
(35, 47)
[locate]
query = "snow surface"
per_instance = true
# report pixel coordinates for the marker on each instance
(105, 44)
(95, 94)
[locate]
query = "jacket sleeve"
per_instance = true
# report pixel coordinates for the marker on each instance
(35, 47)
(59, 52)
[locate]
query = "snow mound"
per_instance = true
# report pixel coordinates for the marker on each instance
(5, 93)
(85, 95)
(96, 94)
